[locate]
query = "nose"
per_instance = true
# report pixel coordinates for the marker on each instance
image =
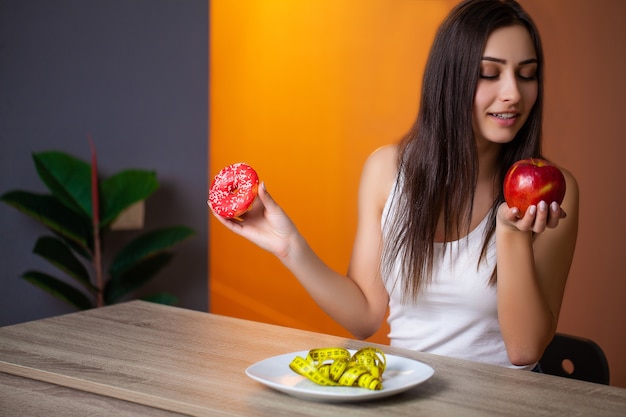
(510, 91)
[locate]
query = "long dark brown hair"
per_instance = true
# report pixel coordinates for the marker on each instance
(438, 156)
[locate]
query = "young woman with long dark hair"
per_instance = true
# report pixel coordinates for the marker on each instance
(462, 273)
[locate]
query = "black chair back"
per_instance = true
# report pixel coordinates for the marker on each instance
(577, 358)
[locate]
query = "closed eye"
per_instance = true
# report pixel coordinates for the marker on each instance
(528, 76)
(490, 69)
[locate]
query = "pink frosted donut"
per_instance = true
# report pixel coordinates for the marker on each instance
(233, 190)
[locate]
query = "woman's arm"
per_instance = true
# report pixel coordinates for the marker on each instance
(532, 272)
(358, 300)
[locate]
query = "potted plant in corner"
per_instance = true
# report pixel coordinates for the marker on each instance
(79, 212)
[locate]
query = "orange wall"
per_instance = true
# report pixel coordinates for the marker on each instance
(305, 90)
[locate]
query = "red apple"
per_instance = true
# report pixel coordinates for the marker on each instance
(530, 181)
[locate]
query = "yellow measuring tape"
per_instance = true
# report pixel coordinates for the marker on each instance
(336, 367)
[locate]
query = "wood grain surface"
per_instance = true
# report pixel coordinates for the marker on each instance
(25, 397)
(193, 363)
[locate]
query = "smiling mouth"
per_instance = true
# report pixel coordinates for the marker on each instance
(504, 116)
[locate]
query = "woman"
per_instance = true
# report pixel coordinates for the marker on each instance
(462, 273)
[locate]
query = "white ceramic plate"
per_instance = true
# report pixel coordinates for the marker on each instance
(401, 374)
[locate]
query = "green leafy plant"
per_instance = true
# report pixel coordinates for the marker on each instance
(79, 212)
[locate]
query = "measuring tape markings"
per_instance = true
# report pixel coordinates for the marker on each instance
(336, 367)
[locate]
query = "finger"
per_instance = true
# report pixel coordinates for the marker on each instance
(556, 214)
(526, 222)
(558, 210)
(541, 219)
(509, 214)
(266, 198)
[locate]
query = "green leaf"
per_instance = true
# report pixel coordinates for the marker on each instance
(58, 289)
(57, 253)
(79, 249)
(54, 215)
(68, 178)
(123, 190)
(147, 245)
(121, 284)
(162, 298)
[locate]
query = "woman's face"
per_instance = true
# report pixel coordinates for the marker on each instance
(507, 87)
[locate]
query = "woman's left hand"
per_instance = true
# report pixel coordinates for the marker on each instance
(536, 219)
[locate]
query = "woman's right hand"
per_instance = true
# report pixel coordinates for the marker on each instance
(265, 225)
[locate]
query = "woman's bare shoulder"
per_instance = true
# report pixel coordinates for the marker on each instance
(569, 178)
(384, 161)
(571, 201)
(380, 170)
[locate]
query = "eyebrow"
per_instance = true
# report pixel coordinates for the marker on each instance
(503, 61)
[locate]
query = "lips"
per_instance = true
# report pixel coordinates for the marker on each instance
(504, 115)
(504, 119)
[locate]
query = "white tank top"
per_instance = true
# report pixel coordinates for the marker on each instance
(455, 314)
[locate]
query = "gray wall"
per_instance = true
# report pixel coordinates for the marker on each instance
(134, 75)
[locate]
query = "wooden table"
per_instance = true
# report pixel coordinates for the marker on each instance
(140, 358)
